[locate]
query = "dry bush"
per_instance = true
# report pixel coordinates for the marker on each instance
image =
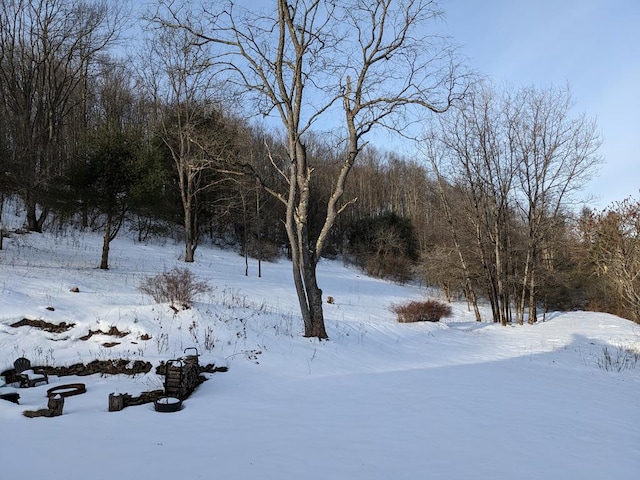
(177, 286)
(618, 358)
(425, 311)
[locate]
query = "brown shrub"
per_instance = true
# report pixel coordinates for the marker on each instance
(425, 311)
(178, 287)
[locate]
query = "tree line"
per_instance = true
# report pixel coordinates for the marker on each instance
(258, 129)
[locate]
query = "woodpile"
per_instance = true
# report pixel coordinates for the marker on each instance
(182, 377)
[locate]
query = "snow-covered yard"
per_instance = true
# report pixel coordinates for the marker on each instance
(380, 400)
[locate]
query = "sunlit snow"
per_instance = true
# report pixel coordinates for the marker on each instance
(379, 400)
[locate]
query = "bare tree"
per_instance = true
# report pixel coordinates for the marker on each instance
(450, 198)
(104, 176)
(177, 77)
(316, 60)
(555, 155)
(516, 159)
(199, 135)
(613, 246)
(472, 156)
(46, 50)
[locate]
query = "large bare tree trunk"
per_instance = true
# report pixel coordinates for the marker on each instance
(303, 254)
(190, 243)
(310, 298)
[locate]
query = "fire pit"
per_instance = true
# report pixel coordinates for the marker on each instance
(67, 390)
(168, 404)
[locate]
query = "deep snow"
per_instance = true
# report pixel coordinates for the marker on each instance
(380, 400)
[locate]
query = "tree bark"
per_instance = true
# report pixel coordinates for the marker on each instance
(189, 240)
(104, 261)
(303, 255)
(116, 402)
(1, 225)
(35, 222)
(55, 405)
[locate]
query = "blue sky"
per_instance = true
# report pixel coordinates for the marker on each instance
(591, 45)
